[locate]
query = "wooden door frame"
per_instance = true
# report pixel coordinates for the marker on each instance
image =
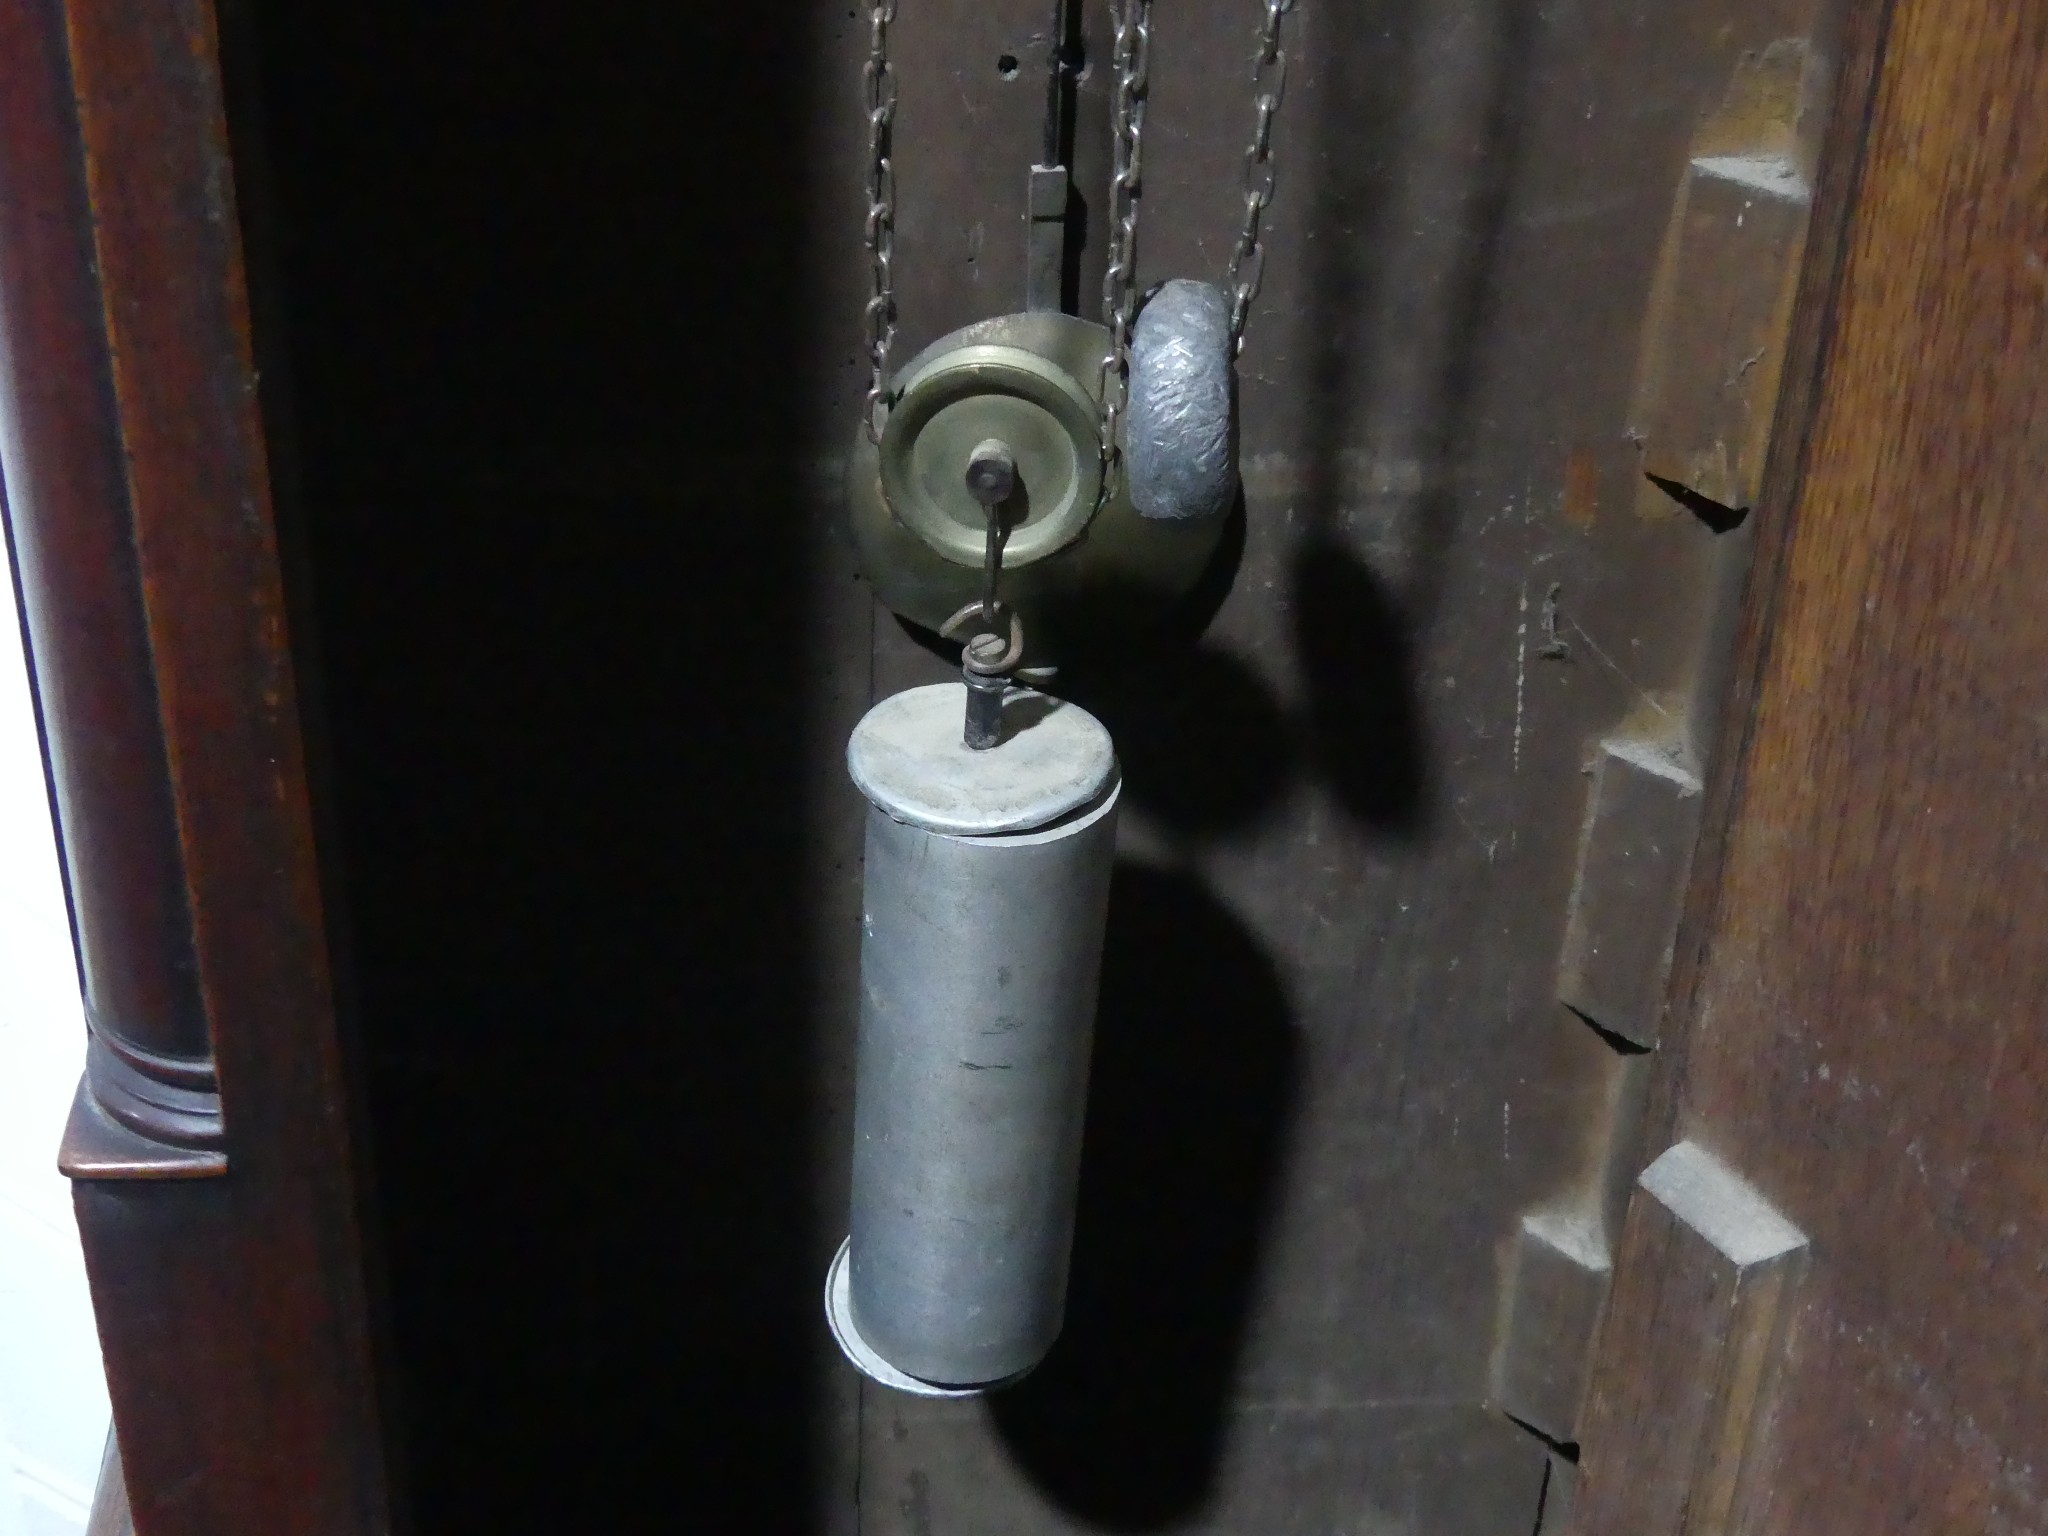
(218, 1178)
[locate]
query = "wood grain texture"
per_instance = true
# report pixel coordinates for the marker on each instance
(1727, 705)
(1640, 825)
(1701, 1310)
(1715, 347)
(1554, 1286)
(1864, 1004)
(1353, 809)
(233, 1309)
(82, 591)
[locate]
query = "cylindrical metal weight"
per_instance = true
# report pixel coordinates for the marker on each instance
(987, 887)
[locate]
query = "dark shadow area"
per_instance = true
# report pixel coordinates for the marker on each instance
(1190, 618)
(1718, 516)
(1204, 744)
(553, 590)
(1169, 699)
(1621, 1045)
(1364, 724)
(1195, 1079)
(1358, 630)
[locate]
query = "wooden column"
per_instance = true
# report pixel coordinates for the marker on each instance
(217, 1189)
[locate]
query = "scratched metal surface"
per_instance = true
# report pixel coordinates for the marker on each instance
(571, 307)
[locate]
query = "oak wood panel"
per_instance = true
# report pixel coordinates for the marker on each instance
(1864, 1006)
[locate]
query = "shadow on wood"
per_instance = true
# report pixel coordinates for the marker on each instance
(1194, 1083)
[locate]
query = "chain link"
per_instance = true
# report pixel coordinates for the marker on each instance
(1269, 87)
(879, 82)
(1131, 22)
(1130, 59)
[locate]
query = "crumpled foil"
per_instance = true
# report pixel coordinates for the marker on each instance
(1180, 429)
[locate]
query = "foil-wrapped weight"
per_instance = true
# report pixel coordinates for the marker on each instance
(1180, 430)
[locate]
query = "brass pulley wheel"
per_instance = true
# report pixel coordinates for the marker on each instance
(971, 394)
(1075, 562)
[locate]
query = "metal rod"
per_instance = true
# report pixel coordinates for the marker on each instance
(992, 565)
(992, 481)
(983, 726)
(1050, 187)
(1059, 76)
(985, 661)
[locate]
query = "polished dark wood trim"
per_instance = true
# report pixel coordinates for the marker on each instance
(81, 584)
(98, 1146)
(218, 1182)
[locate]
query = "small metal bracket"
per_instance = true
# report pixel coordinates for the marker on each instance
(1045, 256)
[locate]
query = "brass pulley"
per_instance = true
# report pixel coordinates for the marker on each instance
(970, 392)
(1123, 434)
(1075, 561)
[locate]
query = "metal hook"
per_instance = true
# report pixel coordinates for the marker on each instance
(979, 658)
(986, 661)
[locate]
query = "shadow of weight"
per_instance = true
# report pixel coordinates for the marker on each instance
(1195, 1079)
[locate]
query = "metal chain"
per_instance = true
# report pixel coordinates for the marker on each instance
(1269, 86)
(879, 81)
(1129, 57)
